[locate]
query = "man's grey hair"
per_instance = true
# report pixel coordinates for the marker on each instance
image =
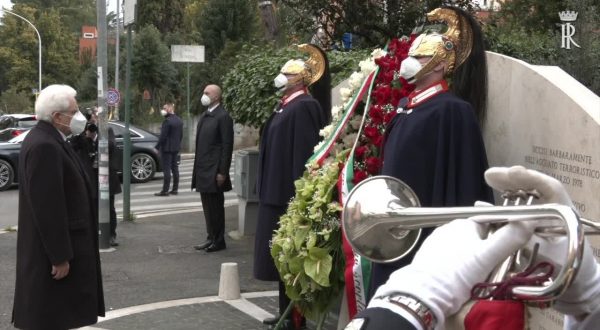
(54, 98)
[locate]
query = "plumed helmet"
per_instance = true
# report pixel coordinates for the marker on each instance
(452, 47)
(308, 71)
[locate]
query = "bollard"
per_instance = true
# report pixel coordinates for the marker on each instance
(229, 281)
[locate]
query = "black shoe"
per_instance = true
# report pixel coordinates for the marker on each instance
(113, 241)
(172, 193)
(271, 320)
(215, 247)
(161, 193)
(203, 245)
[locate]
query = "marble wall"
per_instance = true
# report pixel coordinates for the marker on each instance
(542, 118)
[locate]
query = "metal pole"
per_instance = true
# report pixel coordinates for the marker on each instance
(117, 50)
(126, 137)
(39, 46)
(188, 90)
(103, 181)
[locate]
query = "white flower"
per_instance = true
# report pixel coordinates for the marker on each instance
(318, 146)
(355, 122)
(349, 140)
(345, 93)
(377, 53)
(356, 80)
(367, 66)
(335, 112)
(326, 131)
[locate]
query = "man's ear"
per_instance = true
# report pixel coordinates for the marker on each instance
(440, 67)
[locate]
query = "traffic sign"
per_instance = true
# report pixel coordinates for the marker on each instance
(113, 97)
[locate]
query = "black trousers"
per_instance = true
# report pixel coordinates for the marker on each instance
(113, 215)
(213, 205)
(169, 160)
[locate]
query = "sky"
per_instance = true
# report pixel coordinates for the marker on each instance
(112, 5)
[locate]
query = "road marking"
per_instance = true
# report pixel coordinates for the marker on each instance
(243, 305)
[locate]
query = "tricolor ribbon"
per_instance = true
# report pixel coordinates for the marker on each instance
(358, 270)
(320, 155)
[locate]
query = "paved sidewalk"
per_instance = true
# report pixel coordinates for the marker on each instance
(156, 280)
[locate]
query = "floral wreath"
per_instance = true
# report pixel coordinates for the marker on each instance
(308, 246)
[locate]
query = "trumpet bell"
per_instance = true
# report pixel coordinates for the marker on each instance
(368, 217)
(382, 222)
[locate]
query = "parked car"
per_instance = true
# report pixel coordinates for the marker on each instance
(145, 160)
(12, 125)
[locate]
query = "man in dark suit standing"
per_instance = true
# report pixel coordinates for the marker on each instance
(210, 177)
(169, 144)
(86, 147)
(58, 280)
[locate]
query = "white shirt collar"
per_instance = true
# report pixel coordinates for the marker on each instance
(213, 107)
(64, 137)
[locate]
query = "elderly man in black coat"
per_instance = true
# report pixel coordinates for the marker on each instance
(58, 281)
(169, 144)
(210, 177)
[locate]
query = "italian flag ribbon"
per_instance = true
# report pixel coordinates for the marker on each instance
(358, 269)
(323, 152)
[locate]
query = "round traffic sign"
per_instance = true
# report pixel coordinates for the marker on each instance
(113, 97)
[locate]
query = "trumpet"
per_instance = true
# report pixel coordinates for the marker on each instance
(383, 222)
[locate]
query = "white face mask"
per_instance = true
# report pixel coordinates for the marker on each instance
(409, 68)
(78, 123)
(163, 112)
(280, 81)
(205, 100)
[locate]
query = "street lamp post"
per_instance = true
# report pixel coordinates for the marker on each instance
(39, 48)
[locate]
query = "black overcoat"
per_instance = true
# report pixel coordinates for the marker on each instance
(57, 223)
(438, 151)
(287, 142)
(214, 147)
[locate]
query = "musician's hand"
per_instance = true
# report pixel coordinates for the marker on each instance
(514, 178)
(450, 262)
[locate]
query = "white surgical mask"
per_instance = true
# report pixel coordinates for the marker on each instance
(409, 68)
(163, 112)
(280, 81)
(78, 123)
(205, 100)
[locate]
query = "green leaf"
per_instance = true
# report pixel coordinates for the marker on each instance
(318, 268)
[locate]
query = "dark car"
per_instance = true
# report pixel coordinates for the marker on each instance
(11, 125)
(145, 161)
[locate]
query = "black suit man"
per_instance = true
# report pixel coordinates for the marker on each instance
(58, 280)
(169, 144)
(210, 177)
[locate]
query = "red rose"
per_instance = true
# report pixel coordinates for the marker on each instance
(381, 94)
(389, 116)
(360, 152)
(359, 176)
(376, 115)
(378, 141)
(373, 164)
(371, 132)
(396, 96)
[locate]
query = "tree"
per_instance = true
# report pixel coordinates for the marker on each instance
(226, 20)
(374, 22)
(530, 30)
(152, 69)
(165, 15)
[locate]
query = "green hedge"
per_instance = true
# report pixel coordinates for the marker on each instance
(248, 90)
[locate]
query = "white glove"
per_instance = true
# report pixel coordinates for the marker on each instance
(583, 296)
(519, 177)
(450, 262)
